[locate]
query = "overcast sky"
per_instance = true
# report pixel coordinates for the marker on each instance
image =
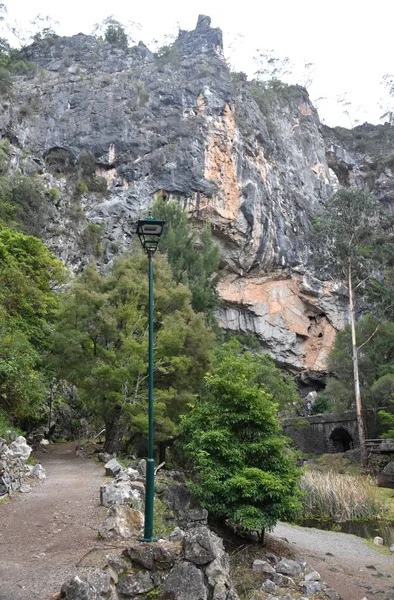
(349, 41)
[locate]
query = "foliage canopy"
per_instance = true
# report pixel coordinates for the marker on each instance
(101, 346)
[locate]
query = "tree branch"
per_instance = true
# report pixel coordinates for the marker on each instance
(371, 336)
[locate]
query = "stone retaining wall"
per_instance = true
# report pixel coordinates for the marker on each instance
(13, 461)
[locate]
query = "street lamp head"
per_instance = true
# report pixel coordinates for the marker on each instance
(149, 231)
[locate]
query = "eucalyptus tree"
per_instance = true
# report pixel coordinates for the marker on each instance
(347, 239)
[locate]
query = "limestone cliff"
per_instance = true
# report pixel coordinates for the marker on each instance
(255, 163)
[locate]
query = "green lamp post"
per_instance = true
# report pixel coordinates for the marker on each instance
(149, 231)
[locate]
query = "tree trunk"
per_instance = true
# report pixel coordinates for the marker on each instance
(359, 408)
(260, 536)
(113, 431)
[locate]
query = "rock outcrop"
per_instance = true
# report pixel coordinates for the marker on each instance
(254, 162)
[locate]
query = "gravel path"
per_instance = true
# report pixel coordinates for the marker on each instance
(44, 533)
(348, 564)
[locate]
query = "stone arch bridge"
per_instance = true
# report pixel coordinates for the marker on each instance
(334, 432)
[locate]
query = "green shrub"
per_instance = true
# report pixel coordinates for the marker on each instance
(54, 194)
(91, 239)
(97, 184)
(6, 84)
(245, 474)
(25, 111)
(168, 55)
(204, 70)
(81, 188)
(87, 164)
(142, 93)
(115, 34)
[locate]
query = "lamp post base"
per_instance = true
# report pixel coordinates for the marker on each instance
(149, 500)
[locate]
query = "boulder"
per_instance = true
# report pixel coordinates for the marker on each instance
(132, 474)
(104, 457)
(20, 449)
(25, 488)
(289, 567)
(38, 472)
(112, 467)
(78, 588)
(310, 587)
(269, 586)
(378, 541)
(195, 516)
(386, 477)
(262, 566)
(200, 546)
(177, 535)
(178, 498)
(217, 571)
(185, 582)
(121, 523)
(119, 494)
(95, 558)
(152, 556)
(312, 576)
(99, 581)
(141, 468)
(138, 583)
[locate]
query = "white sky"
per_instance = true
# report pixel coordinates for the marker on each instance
(349, 41)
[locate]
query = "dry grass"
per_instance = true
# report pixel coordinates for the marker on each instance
(341, 497)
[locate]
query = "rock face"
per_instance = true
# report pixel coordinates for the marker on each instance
(254, 163)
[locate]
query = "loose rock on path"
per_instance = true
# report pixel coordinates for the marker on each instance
(43, 534)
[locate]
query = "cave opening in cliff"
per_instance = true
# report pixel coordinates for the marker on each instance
(341, 440)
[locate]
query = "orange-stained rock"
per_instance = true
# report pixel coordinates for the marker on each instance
(296, 327)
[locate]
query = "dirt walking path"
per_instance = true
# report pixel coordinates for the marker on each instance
(43, 534)
(347, 563)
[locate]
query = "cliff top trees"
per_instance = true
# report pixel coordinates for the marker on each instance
(245, 474)
(347, 237)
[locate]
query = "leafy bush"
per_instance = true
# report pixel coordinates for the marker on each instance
(244, 471)
(28, 199)
(340, 497)
(6, 84)
(91, 239)
(168, 55)
(54, 194)
(115, 34)
(81, 189)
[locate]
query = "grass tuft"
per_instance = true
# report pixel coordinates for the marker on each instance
(341, 497)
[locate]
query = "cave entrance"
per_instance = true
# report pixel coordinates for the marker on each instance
(341, 440)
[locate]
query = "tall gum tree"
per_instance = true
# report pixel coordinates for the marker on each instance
(347, 237)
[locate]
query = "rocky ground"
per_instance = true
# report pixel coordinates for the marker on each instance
(46, 532)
